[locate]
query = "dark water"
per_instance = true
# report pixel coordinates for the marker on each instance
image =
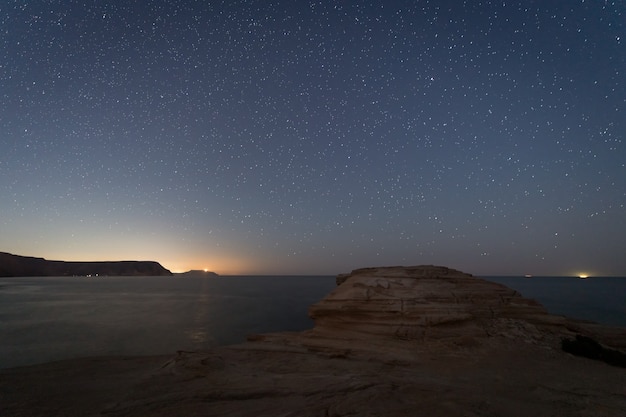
(45, 319)
(598, 299)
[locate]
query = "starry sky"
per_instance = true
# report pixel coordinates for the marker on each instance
(315, 137)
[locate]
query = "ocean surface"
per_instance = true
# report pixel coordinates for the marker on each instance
(53, 318)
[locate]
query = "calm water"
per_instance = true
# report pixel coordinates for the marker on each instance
(602, 300)
(45, 319)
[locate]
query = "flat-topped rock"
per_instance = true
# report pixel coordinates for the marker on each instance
(422, 302)
(390, 342)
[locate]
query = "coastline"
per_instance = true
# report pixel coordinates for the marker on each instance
(503, 378)
(481, 349)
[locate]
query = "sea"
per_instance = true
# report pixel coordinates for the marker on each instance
(45, 319)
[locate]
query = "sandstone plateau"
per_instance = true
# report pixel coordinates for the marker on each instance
(397, 341)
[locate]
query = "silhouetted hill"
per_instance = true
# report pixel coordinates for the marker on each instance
(27, 266)
(197, 273)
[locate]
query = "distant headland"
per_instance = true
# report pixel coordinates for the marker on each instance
(196, 273)
(387, 341)
(26, 266)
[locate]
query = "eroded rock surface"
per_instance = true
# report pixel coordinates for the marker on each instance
(422, 302)
(417, 341)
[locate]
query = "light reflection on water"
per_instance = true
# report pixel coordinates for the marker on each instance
(199, 333)
(45, 319)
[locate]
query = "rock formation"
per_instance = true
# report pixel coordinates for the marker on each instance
(25, 266)
(387, 342)
(396, 309)
(197, 273)
(589, 348)
(416, 303)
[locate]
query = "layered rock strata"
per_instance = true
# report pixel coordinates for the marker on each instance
(392, 342)
(421, 302)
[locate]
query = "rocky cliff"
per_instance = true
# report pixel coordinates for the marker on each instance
(433, 304)
(423, 302)
(392, 342)
(24, 266)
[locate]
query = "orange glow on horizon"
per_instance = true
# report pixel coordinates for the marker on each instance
(221, 265)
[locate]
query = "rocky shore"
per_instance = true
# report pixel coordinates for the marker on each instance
(396, 341)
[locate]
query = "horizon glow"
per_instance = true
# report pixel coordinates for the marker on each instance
(288, 138)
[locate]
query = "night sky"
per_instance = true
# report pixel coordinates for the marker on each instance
(299, 137)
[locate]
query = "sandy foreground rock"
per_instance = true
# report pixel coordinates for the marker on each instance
(416, 341)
